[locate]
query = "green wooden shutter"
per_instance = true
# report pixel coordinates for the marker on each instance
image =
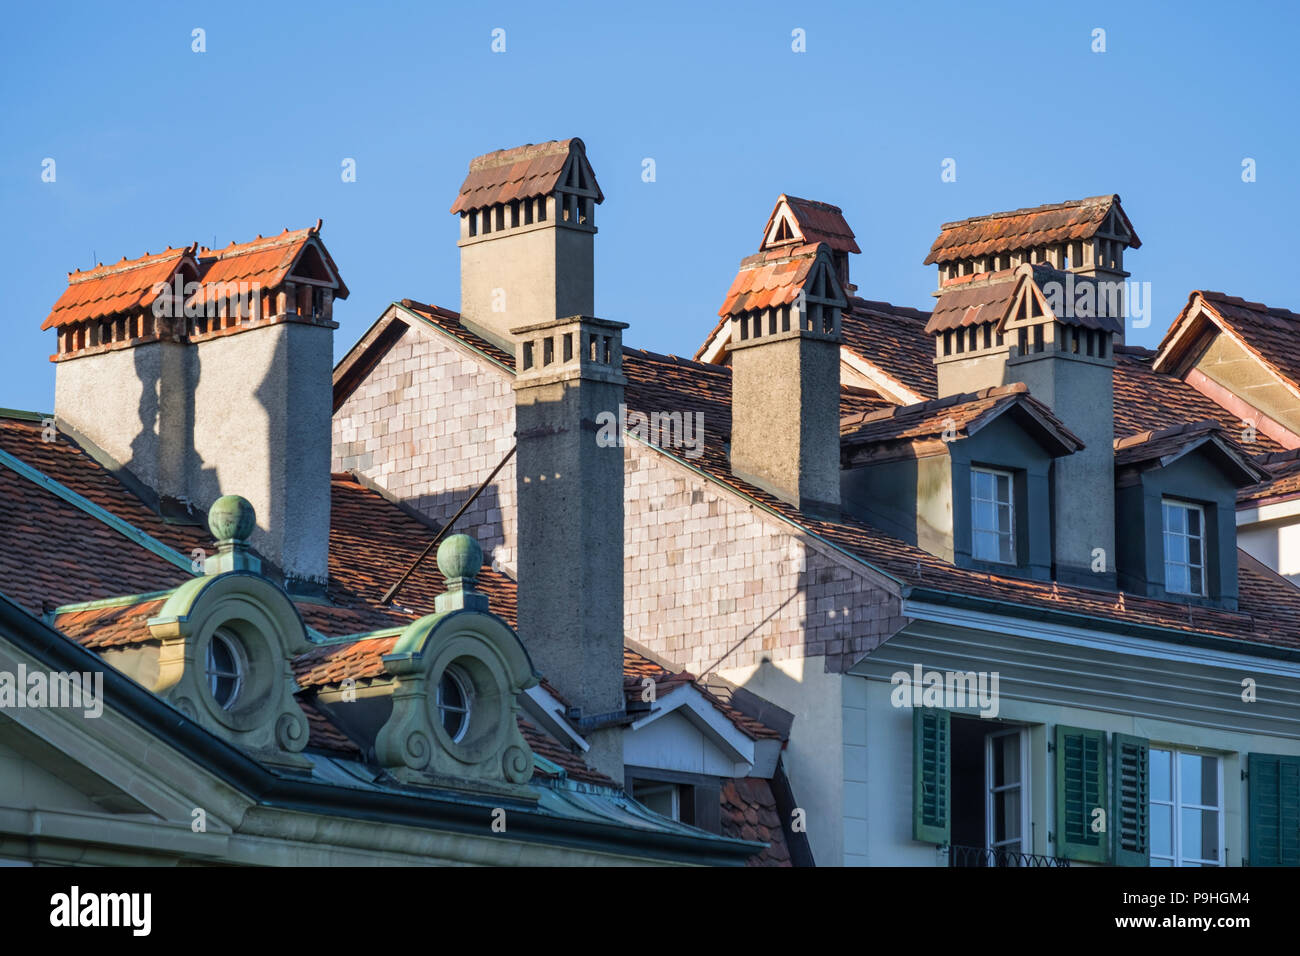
(931, 775)
(1274, 792)
(1131, 804)
(1080, 791)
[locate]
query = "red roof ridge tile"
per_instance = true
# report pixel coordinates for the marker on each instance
(1029, 210)
(126, 265)
(261, 243)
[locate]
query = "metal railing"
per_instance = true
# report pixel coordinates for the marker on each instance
(975, 856)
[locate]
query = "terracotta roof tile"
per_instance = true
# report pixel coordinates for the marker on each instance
(771, 278)
(1025, 228)
(962, 415)
(749, 812)
(986, 300)
(265, 261)
(893, 339)
(1272, 334)
(817, 222)
(115, 626)
(519, 173)
(1284, 482)
(575, 769)
(1147, 400)
(1269, 605)
(123, 286)
(637, 668)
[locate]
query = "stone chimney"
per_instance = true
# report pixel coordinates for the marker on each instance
(201, 371)
(785, 307)
(1037, 325)
(570, 494)
(527, 224)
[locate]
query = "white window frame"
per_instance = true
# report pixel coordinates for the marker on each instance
(239, 658)
(656, 786)
(464, 686)
(1176, 805)
(1166, 534)
(1022, 785)
(1011, 508)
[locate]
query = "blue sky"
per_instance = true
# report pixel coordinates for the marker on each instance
(155, 144)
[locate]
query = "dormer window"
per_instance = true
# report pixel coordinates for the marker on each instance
(454, 703)
(993, 529)
(226, 666)
(1184, 536)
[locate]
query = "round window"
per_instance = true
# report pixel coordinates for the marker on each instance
(454, 699)
(226, 667)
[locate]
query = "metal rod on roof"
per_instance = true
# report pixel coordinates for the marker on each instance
(442, 533)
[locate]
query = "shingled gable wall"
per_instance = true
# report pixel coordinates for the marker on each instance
(428, 424)
(711, 580)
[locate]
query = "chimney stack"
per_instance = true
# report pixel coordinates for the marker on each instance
(1030, 325)
(203, 371)
(785, 307)
(570, 488)
(527, 225)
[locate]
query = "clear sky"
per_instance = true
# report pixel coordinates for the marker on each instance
(155, 144)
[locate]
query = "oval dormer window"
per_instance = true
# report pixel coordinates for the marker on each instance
(454, 697)
(225, 669)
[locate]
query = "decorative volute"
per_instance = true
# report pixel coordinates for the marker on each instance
(457, 673)
(227, 639)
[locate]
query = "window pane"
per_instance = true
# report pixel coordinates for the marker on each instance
(1161, 776)
(984, 546)
(1006, 760)
(1004, 487)
(1177, 578)
(981, 484)
(1006, 550)
(1175, 519)
(1004, 519)
(1200, 779)
(983, 516)
(1200, 834)
(1006, 815)
(1193, 520)
(1162, 830)
(1196, 581)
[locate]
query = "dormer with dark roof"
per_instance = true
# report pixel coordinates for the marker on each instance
(527, 225)
(967, 477)
(1176, 504)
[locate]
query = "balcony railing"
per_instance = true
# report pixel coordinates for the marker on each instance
(975, 856)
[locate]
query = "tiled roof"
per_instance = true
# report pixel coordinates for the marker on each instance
(1271, 334)
(112, 626)
(1147, 400)
(1025, 228)
(961, 415)
(1269, 605)
(107, 290)
(1158, 445)
(985, 300)
(323, 735)
(265, 261)
(637, 668)
(893, 339)
(986, 297)
(449, 321)
(818, 222)
(1284, 479)
(129, 285)
(519, 173)
(81, 557)
(574, 768)
(770, 279)
(749, 812)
